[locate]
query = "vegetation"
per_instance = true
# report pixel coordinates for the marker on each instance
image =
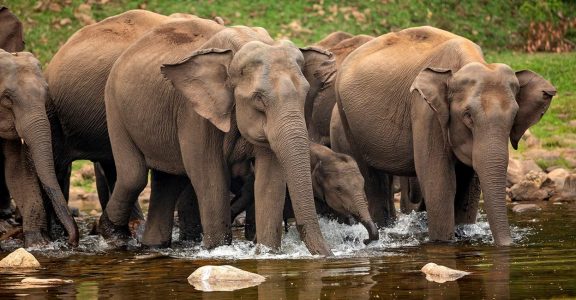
(504, 29)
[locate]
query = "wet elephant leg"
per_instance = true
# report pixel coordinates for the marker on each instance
(105, 172)
(467, 195)
(5, 210)
(410, 195)
(166, 189)
(24, 186)
(378, 186)
(189, 216)
(250, 223)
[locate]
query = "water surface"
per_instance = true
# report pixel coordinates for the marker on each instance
(542, 264)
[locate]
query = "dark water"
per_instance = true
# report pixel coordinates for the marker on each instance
(542, 264)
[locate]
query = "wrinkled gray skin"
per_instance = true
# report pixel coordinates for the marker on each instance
(318, 113)
(11, 40)
(424, 102)
(25, 135)
(337, 184)
(231, 93)
(77, 77)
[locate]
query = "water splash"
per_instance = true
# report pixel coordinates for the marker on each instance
(344, 240)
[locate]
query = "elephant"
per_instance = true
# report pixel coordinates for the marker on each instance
(338, 190)
(423, 102)
(77, 76)
(26, 148)
(11, 40)
(192, 98)
(319, 111)
(11, 32)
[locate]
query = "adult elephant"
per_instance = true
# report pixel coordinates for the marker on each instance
(77, 77)
(26, 148)
(423, 101)
(233, 93)
(11, 40)
(319, 111)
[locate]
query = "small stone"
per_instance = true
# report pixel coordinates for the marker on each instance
(94, 213)
(441, 274)
(223, 278)
(20, 258)
(45, 281)
(521, 208)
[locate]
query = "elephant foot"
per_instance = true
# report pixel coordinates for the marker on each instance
(116, 236)
(35, 239)
(162, 245)
(194, 236)
(250, 232)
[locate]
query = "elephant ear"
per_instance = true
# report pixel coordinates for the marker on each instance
(11, 33)
(320, 72)
(316, 177)
(202, 78)
(533, 99)
(432, 84)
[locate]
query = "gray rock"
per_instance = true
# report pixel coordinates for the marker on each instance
(521, 208)
(517, 169)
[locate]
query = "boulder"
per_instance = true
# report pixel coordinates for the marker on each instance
(558, 176)
(568, 192)
(223, 278)
(535, 186)
(441, 274)
(20, 259)
(521, 208)
(517, 169)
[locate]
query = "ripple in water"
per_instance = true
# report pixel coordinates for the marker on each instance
(344, 240)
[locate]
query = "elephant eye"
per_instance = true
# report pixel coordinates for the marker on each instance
(5, 100)
(467, 116)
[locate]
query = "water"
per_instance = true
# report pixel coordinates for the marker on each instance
(542, 264)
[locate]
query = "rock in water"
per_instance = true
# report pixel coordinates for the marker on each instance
(442, 274)
(223, 278)
(520, 208)
(20, 259)
(45, 281)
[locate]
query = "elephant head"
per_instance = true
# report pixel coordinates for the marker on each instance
(479, 107)
(262, 86)
(337, 180)
(23, 94)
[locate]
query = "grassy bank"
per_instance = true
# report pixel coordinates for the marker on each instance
(498, 26)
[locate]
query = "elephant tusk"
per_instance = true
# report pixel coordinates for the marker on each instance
(22, 141)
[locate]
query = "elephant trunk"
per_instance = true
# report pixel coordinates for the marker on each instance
(363, 216)
(35, 131)
(490, 161)
(290, 143)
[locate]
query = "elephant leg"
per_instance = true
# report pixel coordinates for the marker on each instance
(115, 218)
(5, 210)
(250, 223)
(165, 191)
(435, 171)
(379, 193)
(105, 172)
(246, 197)
(24, 186)
(189, 216)
(467, 195)
(269, 191)
(410, 195)
(208, 173)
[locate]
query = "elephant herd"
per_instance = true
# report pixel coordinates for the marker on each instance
(209, 109)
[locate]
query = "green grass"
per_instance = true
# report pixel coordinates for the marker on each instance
(498, 26)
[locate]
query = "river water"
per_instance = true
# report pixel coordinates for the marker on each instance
(541, 264)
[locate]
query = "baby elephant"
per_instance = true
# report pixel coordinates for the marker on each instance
(338, 191)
